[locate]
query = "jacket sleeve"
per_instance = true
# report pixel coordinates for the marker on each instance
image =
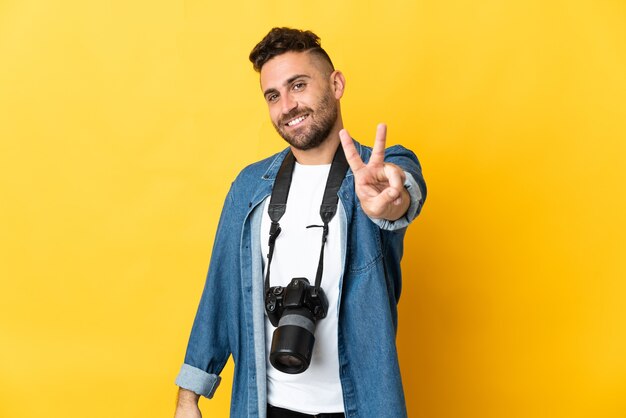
(208, 348)
(414, 183)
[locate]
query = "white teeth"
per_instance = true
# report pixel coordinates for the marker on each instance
(296, 120)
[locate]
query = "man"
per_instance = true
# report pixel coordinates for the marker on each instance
(353, 368)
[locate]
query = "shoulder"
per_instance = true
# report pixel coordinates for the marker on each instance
(257, 169)
(399, 151)
(253, 175)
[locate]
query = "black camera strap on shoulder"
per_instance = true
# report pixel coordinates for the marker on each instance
(328, 208)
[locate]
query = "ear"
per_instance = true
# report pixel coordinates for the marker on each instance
(338, 81)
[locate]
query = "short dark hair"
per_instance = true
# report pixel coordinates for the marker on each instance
(281, 40)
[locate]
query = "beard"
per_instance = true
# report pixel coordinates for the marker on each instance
(321, 123)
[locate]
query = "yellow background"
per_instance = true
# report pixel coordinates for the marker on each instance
(122, 124)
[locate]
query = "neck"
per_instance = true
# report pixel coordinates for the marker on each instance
(324, 153)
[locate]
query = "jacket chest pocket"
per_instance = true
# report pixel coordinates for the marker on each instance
(364, 245)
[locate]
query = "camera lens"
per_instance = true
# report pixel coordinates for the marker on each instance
(288, 361)
(292, 342)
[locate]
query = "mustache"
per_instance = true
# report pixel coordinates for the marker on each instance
(294, 114)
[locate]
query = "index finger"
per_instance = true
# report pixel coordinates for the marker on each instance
(352, 155)
(378, 153)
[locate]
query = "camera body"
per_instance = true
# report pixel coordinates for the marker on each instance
(298, 294)
(294, 310)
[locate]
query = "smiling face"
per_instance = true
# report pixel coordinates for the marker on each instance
(302, 95)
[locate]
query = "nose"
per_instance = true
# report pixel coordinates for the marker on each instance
(288, 104)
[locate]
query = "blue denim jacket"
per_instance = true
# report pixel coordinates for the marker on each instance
(230, 317)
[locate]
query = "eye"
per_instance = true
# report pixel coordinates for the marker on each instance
(271, 97)
(299, 86)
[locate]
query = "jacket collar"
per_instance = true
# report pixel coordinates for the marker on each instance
(272, 170)
(264, 188)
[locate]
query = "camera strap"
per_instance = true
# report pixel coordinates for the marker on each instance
(328, 208)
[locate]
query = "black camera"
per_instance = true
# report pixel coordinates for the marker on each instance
(294, 310)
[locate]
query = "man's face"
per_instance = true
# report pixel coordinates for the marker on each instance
(302, 104)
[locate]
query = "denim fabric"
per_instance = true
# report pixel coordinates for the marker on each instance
(230, 316)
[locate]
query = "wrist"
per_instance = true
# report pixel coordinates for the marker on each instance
(187, 398)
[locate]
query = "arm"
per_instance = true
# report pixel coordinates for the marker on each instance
(208, 348)
(187, 405)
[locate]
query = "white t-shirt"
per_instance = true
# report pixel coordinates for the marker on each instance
(296, 254)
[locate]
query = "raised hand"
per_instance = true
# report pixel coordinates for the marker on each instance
(379, 185)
